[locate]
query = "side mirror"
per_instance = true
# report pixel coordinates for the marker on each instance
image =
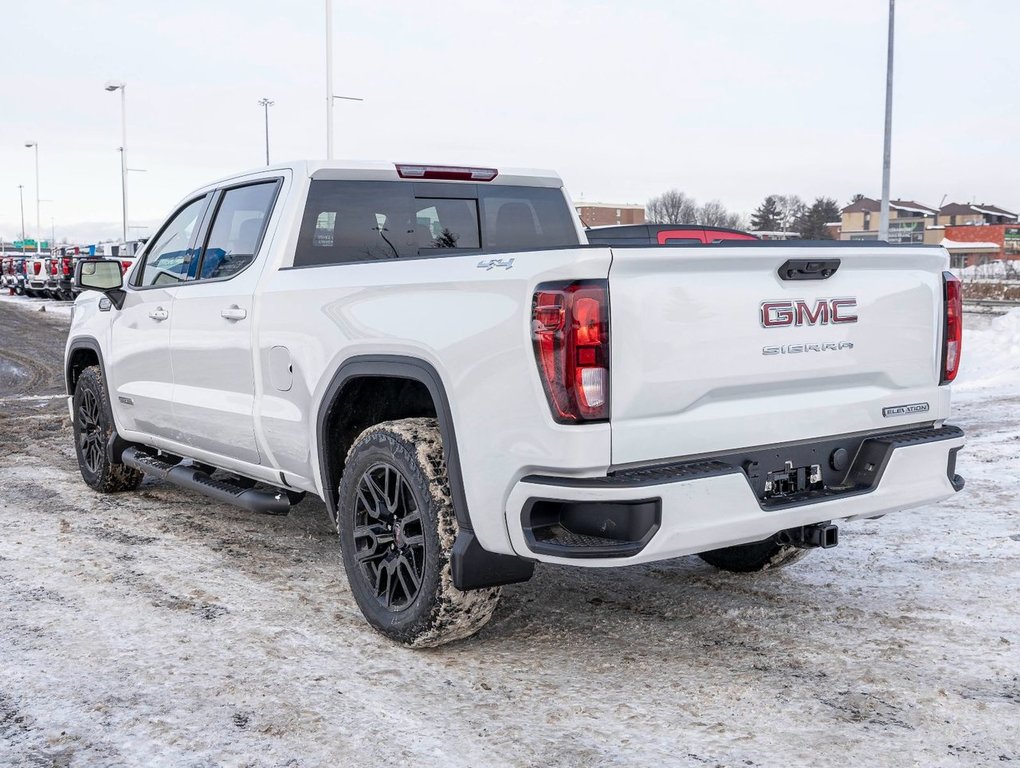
(103, 275)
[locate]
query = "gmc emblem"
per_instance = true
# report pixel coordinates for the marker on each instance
(798, 312)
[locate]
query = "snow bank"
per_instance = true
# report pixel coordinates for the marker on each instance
(62, 308)
(991, 359)
(993, 269)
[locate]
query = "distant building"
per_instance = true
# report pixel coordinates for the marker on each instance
(975, 244)
(908, 220)
(955, 214)
(608, 214)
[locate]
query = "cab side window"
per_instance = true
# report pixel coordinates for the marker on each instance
(237, 230)
(168, 260)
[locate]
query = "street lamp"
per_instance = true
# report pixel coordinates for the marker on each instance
(883, 221)
(21, 196)
(330, 96)
(266, 104)
(38, 226)
(111, 86)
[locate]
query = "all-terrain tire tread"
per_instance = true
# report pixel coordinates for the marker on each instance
(453, 614)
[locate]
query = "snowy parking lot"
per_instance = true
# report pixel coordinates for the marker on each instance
(157, 628)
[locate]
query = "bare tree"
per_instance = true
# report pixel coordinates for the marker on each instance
(672, 207)
(791, 211)
(714, 214)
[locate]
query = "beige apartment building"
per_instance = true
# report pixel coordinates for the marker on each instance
(972, 233)
(908, 221)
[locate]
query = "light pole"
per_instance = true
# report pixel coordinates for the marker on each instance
(266, 104)
(111, 86)
(21, 196)
(38, 225)
(330, 96)
(883, 225)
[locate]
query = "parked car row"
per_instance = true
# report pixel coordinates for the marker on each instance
(46, 275)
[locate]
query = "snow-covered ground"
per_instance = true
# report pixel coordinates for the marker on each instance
(157, 628)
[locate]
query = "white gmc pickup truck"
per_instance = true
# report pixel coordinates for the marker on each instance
(471, 388)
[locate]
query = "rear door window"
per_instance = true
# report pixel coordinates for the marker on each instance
(352, 221)
(237, 230)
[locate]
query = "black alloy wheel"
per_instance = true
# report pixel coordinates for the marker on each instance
(93, 432)
(389, 537)
(397, 529)
(90, 432)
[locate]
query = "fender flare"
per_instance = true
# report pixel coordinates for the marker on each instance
(397, 367)
(83, 342)
(472, 567)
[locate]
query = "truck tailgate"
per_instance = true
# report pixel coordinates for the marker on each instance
(696, 369)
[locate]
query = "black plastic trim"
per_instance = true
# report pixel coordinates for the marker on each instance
(265, 502)
(469, 565)
(590, 529)
(808, 269)
(477, 568)
(871, 452)
(955, 480)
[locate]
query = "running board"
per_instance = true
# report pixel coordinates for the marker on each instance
(264, 502)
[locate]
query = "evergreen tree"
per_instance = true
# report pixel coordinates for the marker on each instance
(766, 217)
(811, 224)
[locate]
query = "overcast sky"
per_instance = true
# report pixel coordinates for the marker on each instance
(728, 99)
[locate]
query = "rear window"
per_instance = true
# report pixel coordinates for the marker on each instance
(359, 221)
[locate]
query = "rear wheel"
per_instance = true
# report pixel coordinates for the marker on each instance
(757, 556)
(93, 427)
(397, 527)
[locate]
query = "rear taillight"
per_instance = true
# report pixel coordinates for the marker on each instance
(570, 331)
(53, 266)
(124, 267)
(952, 330)
(65, 265)
(36, 267)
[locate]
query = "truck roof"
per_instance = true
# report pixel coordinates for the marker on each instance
(354, 170)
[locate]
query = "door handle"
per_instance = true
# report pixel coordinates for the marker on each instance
(159, 314)
(234, 313)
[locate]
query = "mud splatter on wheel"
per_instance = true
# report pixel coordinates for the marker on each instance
(397, 527)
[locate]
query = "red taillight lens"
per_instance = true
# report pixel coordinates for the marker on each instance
(65, 265)
(124, 267)
(570, 331)
(952, 335)
(36, 267)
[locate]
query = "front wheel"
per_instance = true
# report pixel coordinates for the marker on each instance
(93, 427)
(765, 555)
(397, 526)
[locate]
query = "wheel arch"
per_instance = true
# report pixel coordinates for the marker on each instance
(385, 367)
(472, 566)
(83, 352)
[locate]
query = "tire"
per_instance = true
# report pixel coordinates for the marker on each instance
(93, 426)
(758, 556)
(397, 525)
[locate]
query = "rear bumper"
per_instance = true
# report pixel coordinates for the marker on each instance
(705, 505)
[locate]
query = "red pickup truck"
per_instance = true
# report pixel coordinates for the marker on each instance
(663, 234)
